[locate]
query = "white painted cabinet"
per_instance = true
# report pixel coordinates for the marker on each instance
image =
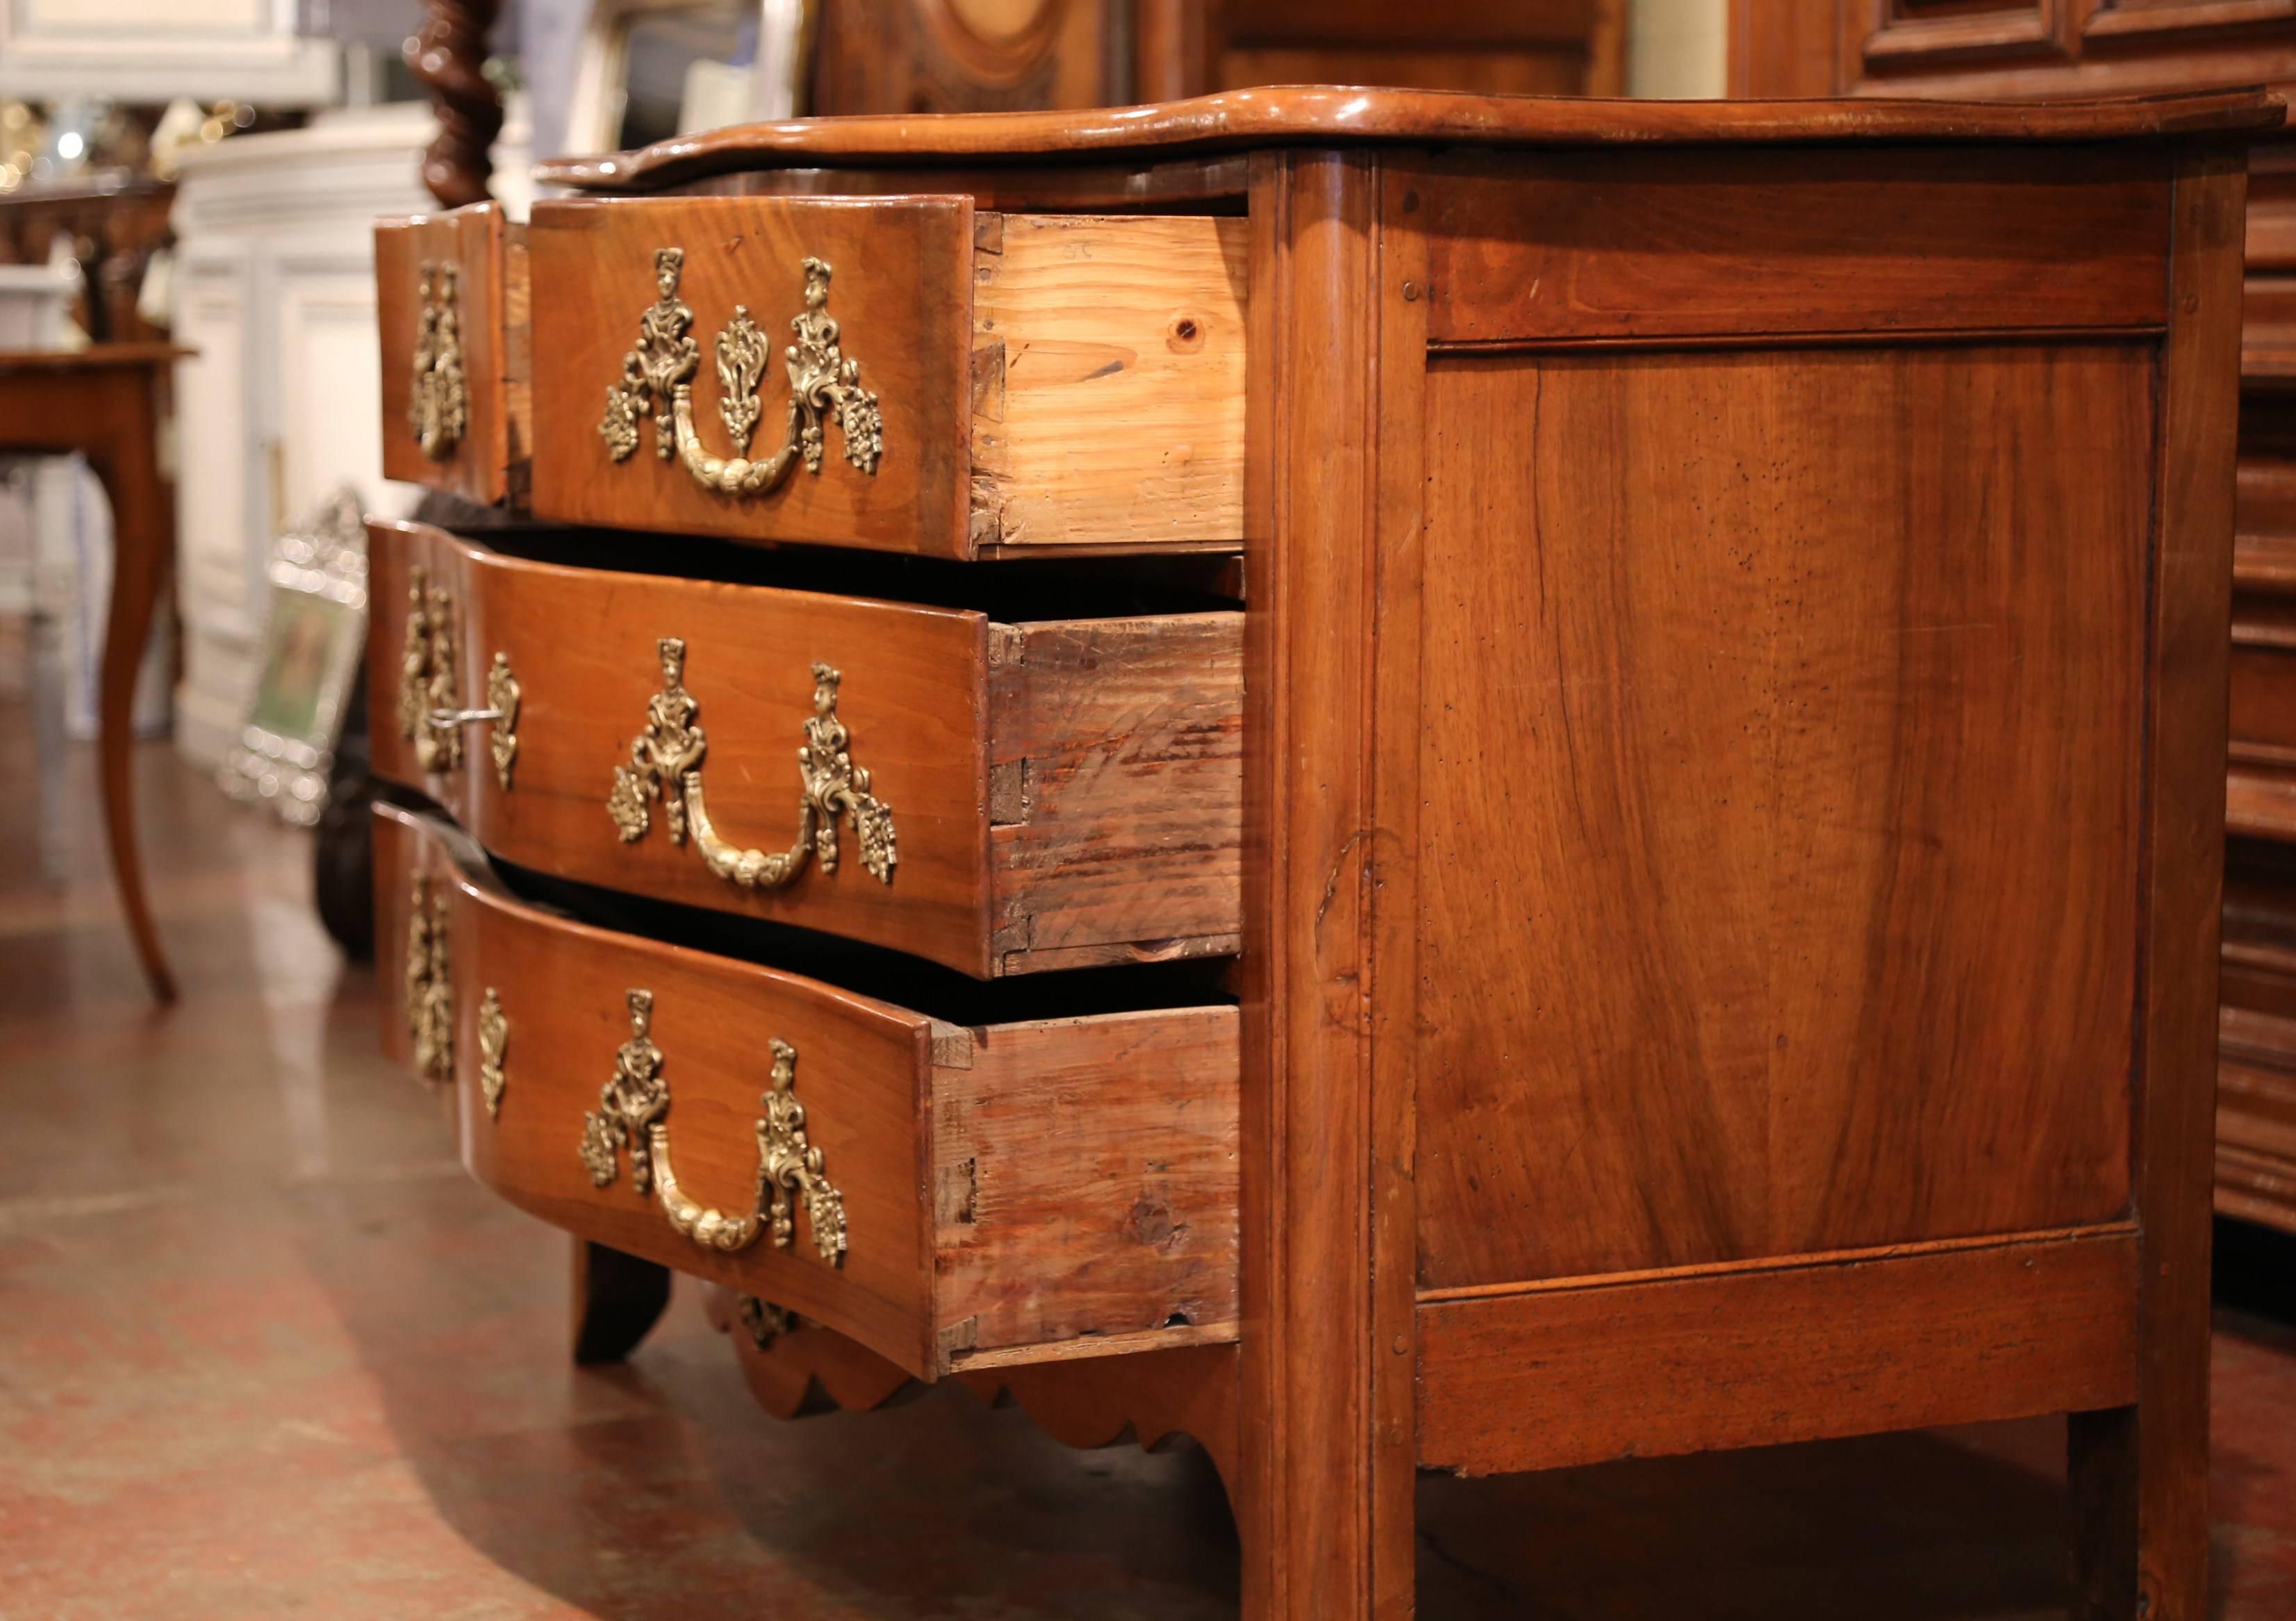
(275, 286)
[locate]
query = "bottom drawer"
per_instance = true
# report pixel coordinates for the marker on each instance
(949, 1196)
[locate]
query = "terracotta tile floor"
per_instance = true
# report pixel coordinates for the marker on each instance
(263, 1352)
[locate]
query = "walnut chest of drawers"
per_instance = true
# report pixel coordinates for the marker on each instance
(1398, 780)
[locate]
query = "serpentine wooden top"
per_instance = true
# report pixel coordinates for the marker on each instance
(1333, 115)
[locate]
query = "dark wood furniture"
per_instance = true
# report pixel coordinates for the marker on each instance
(117, 222)
(2035, 48)
(108, 403)
(1725, 858)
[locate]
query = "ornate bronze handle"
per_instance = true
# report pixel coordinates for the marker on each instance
(666, 764)
(438, 408)
(657, 381)
(429, 989)
(429, 716)
(494, 1047)
(631, 1109)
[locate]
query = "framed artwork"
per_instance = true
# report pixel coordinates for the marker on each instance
(314, 635)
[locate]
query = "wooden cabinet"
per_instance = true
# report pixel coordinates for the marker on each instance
(1640, 873)
(2034, 48)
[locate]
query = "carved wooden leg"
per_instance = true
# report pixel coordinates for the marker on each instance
(142, 530)
(617, 1299)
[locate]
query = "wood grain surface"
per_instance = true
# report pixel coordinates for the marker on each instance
(1120, 1210)
(1108, 381)
(1338, 117)
(490, 464)
(899, 292)
(1106, 751)
(1619, 244)
(1116, 786)
(1796, 725)
(1099, 1153)
(2140, 1472)
(1644, 1367)
(1147, 1399)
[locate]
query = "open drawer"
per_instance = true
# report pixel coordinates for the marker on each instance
(896, 373)
(949, 1196)
(450, 307)
(1001, 798)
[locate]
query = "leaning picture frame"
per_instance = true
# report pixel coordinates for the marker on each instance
(314, 634)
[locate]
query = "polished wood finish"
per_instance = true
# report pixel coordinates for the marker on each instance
(1620, 245)
(910, 56)
(1072, 382)
(489, 464)
(2037, 48)
(1028, 840)
(1561, 47)
(897, 299)
(1896, 1339)
(2140, 1472)
(1332, 116)
(979, 56)
(1011, 1190)
(108, 403)
(1324, 1452)
(1802, 1043)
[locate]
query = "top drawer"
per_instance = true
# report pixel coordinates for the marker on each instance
(450, 303)
(901, 373)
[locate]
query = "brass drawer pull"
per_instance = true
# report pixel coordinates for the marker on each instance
(494, 1047)
(631, 1109)
(438, 405)
(426, 675)
(657, 381)
(429, 716)
(666, 761)
(429, 993)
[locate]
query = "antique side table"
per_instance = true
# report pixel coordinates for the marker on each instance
(109, 402)
(1403, 780)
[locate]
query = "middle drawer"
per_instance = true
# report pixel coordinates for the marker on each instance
(998, 798)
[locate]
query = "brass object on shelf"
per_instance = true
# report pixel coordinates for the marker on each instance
(666, 760)
(630, 1119)
(657, 381)
(494, 1045)
(430, 989)
(439, 407)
